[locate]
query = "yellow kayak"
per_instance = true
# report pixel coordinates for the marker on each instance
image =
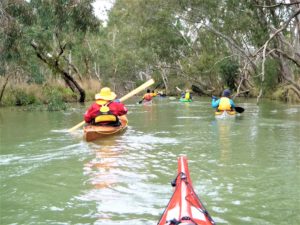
(225, 114)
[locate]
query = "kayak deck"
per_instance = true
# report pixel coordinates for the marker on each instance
(92, 132)
(185, 100)
(225, 114)
(184, 206)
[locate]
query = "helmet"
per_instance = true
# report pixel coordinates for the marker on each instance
(226, 93)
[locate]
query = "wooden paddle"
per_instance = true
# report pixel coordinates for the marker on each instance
(178, 89)
(129, 95)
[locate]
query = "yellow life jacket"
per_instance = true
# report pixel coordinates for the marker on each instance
(187, 95)
(224, 104)
(105, 115)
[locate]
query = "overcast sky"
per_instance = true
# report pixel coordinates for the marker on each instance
(101, 6)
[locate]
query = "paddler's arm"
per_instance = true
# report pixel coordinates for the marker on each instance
(90, 113)
(232, 103)
(215, 102)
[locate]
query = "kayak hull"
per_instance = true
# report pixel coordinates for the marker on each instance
(225, 114)
(92, 132)
(184, 206)
(147, 102)
(185, 100)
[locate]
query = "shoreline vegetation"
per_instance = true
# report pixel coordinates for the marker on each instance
(54, 52)
(54, 95)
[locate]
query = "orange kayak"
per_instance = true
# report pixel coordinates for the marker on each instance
(92, 132)
(185, 207)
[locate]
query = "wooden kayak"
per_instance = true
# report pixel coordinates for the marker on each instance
(225, 114)
(92, 132)
(184, 206)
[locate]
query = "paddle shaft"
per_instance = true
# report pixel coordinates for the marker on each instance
(124, 98)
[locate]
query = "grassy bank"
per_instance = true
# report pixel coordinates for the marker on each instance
(54, 94)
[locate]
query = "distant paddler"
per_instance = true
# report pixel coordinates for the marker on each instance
(154, 93)
(186, 96)
(147, 98)
(225, 104)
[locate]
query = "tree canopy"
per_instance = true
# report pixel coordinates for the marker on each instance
(251, 46)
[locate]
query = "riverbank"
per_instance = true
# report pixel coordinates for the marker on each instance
(54, 95)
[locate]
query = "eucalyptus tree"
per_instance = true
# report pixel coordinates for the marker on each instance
(258, 35)
(54, 29)
(61, 27)
(144, 34)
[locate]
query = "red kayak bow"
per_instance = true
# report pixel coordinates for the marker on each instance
(184, 207)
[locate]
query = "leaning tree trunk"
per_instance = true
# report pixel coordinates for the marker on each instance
(53, 63)
(3, 87)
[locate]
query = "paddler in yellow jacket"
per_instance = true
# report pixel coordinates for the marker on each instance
(153, 93)
(224, 103)
(186, 95)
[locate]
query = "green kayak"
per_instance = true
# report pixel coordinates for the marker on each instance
(185, 100)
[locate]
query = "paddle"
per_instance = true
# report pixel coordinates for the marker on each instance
(129, 95)
(178, 89)
(239, 109)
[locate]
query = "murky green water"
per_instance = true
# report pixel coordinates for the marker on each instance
(245, 170)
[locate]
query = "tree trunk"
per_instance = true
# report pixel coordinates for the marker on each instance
(53, 63)
(3, 87)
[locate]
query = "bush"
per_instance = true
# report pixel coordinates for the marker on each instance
(229, 71)
(22, 98)
(56, 102)
(271, 76)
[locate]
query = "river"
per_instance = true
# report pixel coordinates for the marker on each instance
(245, 170)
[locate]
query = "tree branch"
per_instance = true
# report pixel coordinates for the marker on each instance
(277, 5)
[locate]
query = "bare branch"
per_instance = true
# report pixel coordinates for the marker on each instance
(278, 5)
(279, 30)
(297, 62)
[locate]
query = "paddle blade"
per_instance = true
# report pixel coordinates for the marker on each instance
(239, 109)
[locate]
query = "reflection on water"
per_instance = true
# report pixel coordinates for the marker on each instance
(99, 168)
(224, 134)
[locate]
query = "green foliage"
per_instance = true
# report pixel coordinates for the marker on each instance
(8, 98)
(271, 74)
(36, 75)
(54, 99)
(229, 72)
(23, 98)
(271, 77)
(141, 36)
